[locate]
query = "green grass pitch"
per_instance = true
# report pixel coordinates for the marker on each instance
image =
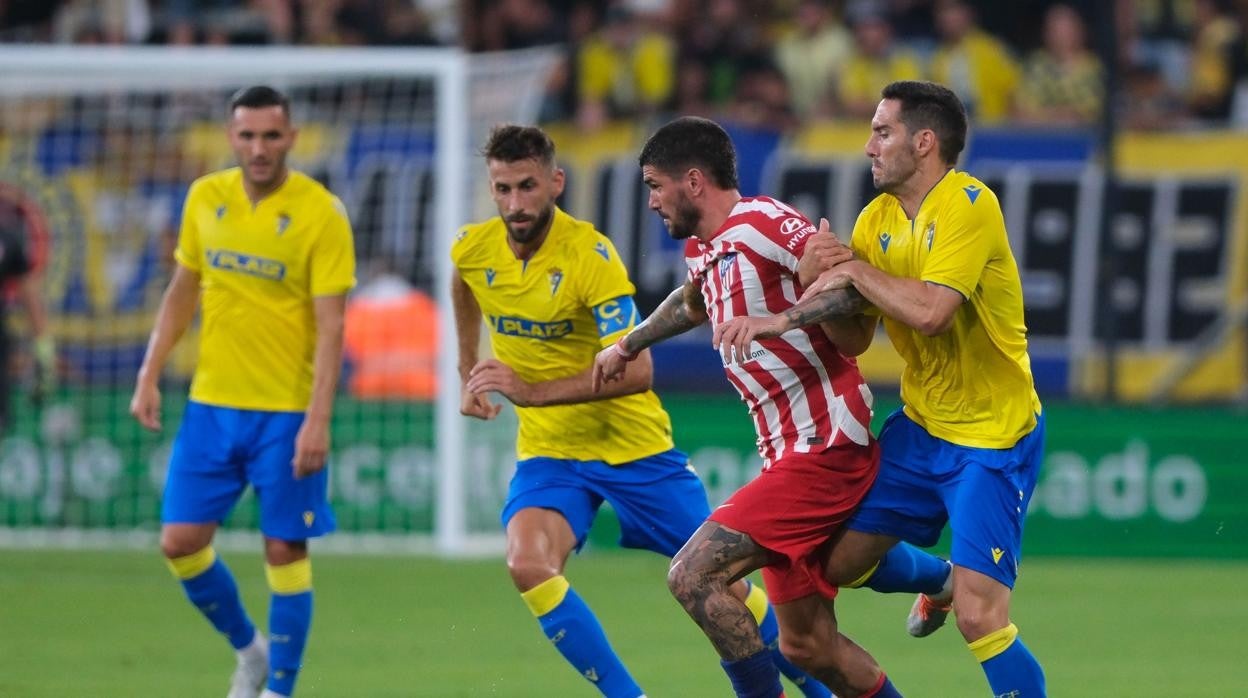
(100, 624)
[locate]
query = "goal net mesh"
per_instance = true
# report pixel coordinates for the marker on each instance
(97, 150)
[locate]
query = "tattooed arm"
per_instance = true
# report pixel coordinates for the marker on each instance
(680, 312)
(923, 305)
(735, 335)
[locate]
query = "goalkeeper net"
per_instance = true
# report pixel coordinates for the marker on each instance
(97, 150)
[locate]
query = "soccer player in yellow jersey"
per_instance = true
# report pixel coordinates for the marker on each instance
(267, 252)
(932, 257)
(553, 292)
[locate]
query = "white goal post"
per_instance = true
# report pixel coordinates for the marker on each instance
(95, 143)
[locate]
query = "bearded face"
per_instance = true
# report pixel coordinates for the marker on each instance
(525, 192)
(684, 219)
(669, 199)
(524, 227)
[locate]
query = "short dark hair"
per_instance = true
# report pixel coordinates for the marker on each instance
(692, 141)
(259, 96)
(932, 106)
(513, 143)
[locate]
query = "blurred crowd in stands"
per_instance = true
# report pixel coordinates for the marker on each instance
(770, 62)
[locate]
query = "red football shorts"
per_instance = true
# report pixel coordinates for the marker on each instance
(794, 507)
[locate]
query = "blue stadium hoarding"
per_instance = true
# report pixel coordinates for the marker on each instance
(1178, 241)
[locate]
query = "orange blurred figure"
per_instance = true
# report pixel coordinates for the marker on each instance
(391, 339)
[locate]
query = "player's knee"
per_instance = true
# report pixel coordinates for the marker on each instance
(677, 580)
(800, 648)
(816, 647)
(977, 618)
(854, 557)
(847, 576)
(974, 626)
(687, 581)
(175, 544)
(527, 571)
(284, 552)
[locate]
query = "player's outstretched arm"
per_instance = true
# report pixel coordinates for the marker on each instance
(177, 308)
(732, 338)
(312, 441)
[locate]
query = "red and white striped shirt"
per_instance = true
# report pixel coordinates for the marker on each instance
(803, 394)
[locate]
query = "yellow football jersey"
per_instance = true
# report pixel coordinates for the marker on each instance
(547, 318)
(260, 267)
(971, 385)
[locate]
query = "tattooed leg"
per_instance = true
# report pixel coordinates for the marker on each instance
(699, 577)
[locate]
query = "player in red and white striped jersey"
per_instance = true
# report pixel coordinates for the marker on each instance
(810, 406)
(803, 393)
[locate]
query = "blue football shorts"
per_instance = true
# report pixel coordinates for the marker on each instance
(219, 450)
(982, 492)
(659, 499)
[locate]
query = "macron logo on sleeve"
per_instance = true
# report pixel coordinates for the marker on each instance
(972, 192)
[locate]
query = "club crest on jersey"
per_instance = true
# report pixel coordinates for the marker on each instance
(931, 233)
(220, 211)
(885, 238)
(726, 263)
(283, 222)
(556, 278)
(601, 248)
(489, 277)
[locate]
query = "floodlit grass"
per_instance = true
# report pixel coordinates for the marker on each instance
(103, 624)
